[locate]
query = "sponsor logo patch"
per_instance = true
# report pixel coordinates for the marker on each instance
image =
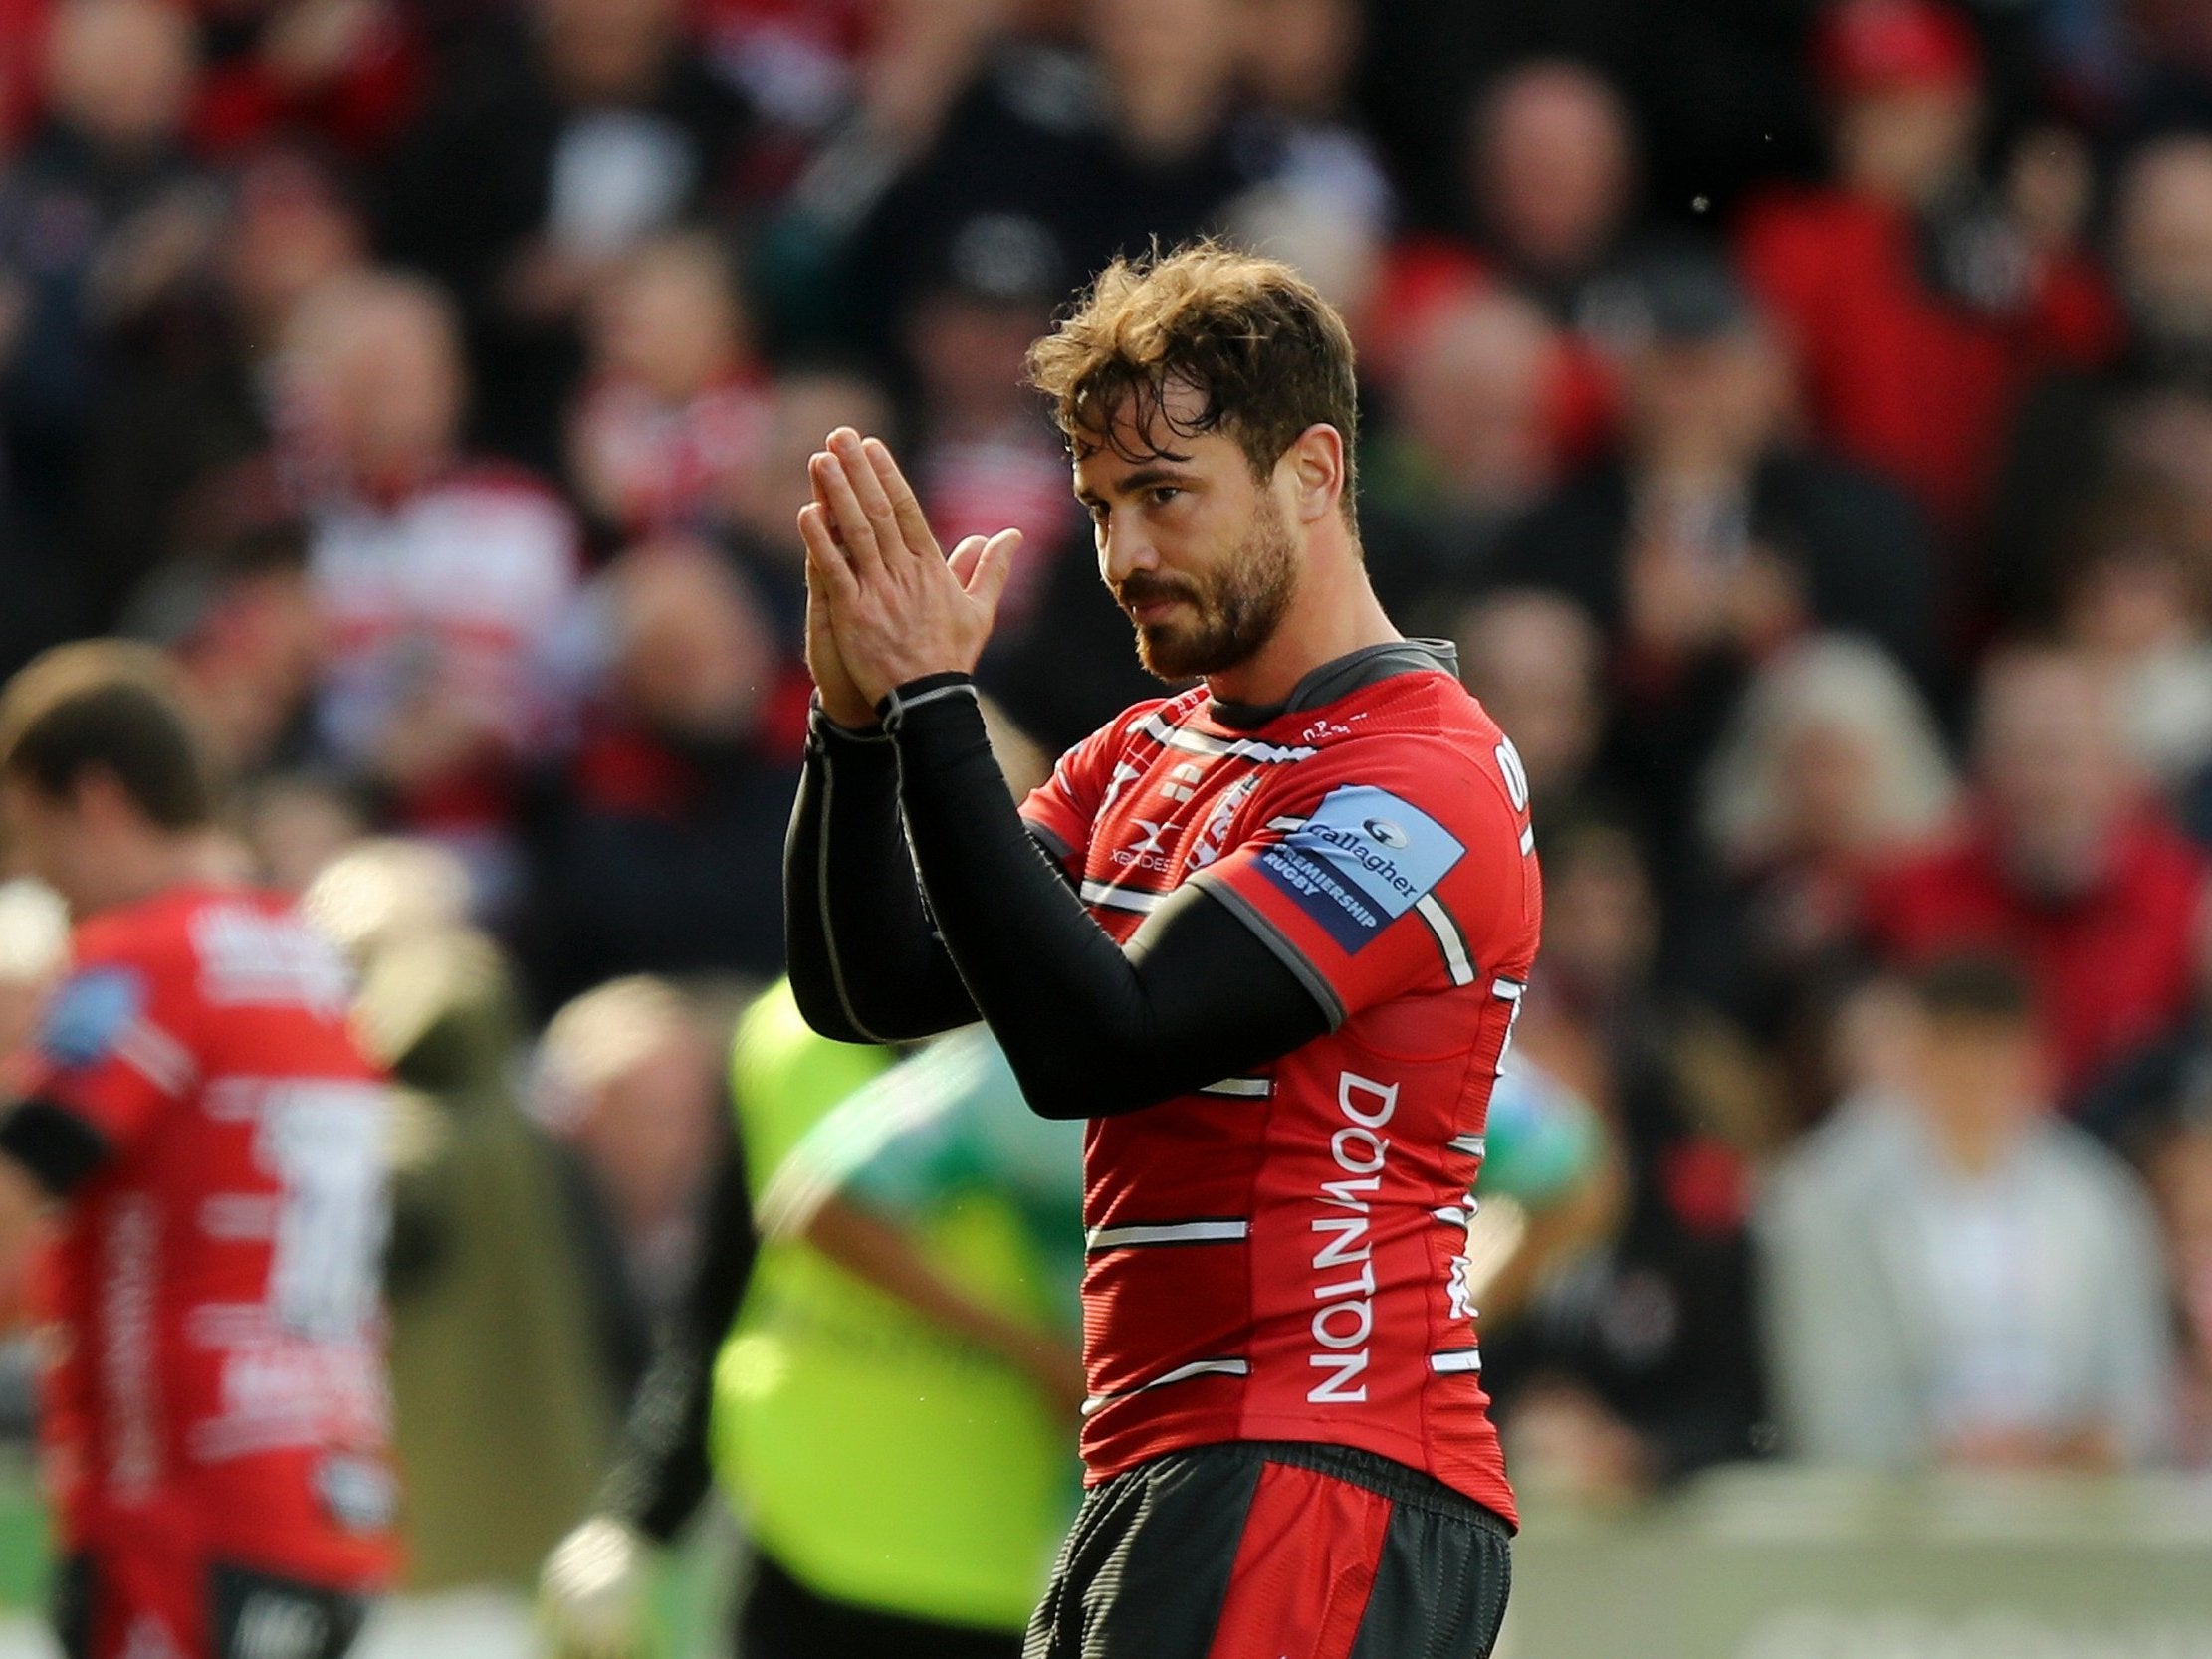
(90, 1015)
(1362, 860)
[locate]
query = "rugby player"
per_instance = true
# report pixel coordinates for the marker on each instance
(1268, 934)
(214, 1415)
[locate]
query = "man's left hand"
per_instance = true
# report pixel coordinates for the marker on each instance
(898, 608)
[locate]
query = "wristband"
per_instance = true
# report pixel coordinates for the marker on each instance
(903, 700)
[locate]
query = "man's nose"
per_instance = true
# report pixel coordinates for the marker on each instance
(1124, 549)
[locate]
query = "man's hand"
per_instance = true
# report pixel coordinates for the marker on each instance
(897, 609)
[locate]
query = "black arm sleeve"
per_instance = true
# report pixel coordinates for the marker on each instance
(59, 1149)
(865, 965)
(1091, 1029)
(661, 1468)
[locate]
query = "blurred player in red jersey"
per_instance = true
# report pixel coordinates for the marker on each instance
(1268, 934)
(214, 1414)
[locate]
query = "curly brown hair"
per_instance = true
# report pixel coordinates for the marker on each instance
(1270, 356)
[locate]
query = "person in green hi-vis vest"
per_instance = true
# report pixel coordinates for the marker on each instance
(891, 1412)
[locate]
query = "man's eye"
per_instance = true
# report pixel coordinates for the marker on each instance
(1097, 510)
(1161, 493)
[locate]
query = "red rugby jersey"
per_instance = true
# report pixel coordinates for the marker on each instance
(1280, 1256)
(217, 1385)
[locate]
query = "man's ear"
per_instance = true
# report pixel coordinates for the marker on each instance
(1316, 462)
(98, 797)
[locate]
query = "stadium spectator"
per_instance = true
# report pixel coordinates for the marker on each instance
(554, 143)
(1537, 662)
(1710, 537)
(1832, 768)
(191, 396)
(627, 1077)
(345, 75)
(673, 411)
(1918, 306)
(2134, 600)
(99, 215)
(1551, 166)
(1956, 1276)
(985, 454)
(443, 582)
(1475, 391)
(503, 1411)
(1128, 138)
(2066, 863)
(2177, 1157)
(658, 847)
(1636, 1364)
(1298, 57)
(2100, 449)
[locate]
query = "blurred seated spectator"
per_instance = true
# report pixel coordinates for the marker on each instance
(2176, 1155)
(2066, 863)
(1710, 537)
(99, 215)
(1832, 768)
(984, 456)
(1536, 661)
(192, 396)
(1128, 138)
(1551, 173)
(1298, 61)
(503, 1412)
(657, 845)
(674, 404)
(1635, 1360)
(343, 74)
(552, 144)
(807, 400)
(1954, 1275)
(2132, 598)
(1919, 305)
(2093, 446)
(237, 615)
(1472, 441)
(627, 1077)
(443, 582)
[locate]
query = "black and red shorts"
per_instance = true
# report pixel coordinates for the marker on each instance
(1267, 1549)
(120, 1602)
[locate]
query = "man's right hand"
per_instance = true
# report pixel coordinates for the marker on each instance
(842, 699)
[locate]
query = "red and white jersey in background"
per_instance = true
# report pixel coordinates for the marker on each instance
(456, 592)
(1282, 1256)
(216, 1383)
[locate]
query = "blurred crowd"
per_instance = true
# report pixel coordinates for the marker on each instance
(1798, 411)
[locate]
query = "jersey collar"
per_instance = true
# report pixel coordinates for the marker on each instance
(1342, 676)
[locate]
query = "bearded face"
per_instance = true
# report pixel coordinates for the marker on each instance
(1216, 617)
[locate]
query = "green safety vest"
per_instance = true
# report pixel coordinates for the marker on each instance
(874, 1456)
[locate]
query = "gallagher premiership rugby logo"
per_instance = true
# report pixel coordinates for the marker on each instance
(1362, 860)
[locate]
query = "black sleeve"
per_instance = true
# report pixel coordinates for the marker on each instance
(1090, 1028)
(58, 1148)
(865, 965)
(661, 1468)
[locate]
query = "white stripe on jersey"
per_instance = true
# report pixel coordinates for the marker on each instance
(1456, 1360)
(1182, 1373)
(1167, 1232)
(1243, 1088)
(1448, 938)
(1115, 898)
(1236, 749)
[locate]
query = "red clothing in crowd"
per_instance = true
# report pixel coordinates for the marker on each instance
(2113, 968)
(1896, 375)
